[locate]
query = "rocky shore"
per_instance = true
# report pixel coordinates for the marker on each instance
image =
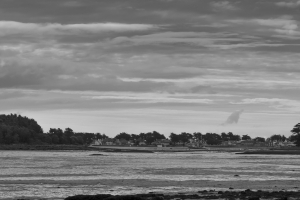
(212, 194)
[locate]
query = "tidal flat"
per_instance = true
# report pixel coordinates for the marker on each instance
(59, 174)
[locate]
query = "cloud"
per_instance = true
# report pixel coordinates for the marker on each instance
(285, 26)
(8, 28)
(289, 4)
(277, 103)
(223, 6)
(150, 99)
(234, 117)
(190, 39)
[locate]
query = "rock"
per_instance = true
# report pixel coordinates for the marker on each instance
(158, 198)
(89, 197)
(284, 198)
(231, 188)
(248, 191)
(125, 197)
(220, 192)
(236, 175)
(254, 198)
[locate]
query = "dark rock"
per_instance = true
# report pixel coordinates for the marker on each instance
(149, 195)
(236, 175)
(220, 192)
(125, 197)
(254, 198)
(158, 198)
(89, 197)
(231, 188)
(283, 198)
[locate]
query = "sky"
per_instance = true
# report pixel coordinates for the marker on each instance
(135, 66)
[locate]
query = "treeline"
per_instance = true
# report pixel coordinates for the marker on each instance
(16, 129)
(184, 137)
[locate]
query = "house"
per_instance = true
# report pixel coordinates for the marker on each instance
(96, 142)
(121, 142)
(162, 142)
(230, 143)
(108, 141)
(140, 141)
(287, 144)
(194, 143)
(260, 144)
(247, 143)
(131, 142)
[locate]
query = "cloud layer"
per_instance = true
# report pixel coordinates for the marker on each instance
(170, 56)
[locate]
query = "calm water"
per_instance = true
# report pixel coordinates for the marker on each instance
(60, 174)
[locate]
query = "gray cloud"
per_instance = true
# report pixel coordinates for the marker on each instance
(234, 117)
(290, 3)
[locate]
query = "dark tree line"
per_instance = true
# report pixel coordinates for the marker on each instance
(148, 138)
(296, 134)
(17, 129)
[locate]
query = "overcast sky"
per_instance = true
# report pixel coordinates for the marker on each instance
(110, 66)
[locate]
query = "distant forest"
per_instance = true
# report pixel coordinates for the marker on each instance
(17, 129)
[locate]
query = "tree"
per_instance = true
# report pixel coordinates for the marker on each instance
(185, 137)
(296, 134)
(124, 136)
(212, 138)
(260, 139)
(246, 137)
(174, 138)
(276, 138)
(197, 136)
(54, 139)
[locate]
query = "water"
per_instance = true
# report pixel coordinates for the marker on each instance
(54, 174)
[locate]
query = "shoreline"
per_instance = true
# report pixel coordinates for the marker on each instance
(25, 147)
(204, 194)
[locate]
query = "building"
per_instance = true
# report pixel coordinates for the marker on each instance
(230, 143)
(140, 141)
(108, 141)
(121, 142)
(162, 142)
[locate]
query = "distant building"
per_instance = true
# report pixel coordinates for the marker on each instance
(287, 144)
(121, 142)
(140, 141)
(247, 143)
(230, 143)
(97, 142)
(108, 141)
(162, 142)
